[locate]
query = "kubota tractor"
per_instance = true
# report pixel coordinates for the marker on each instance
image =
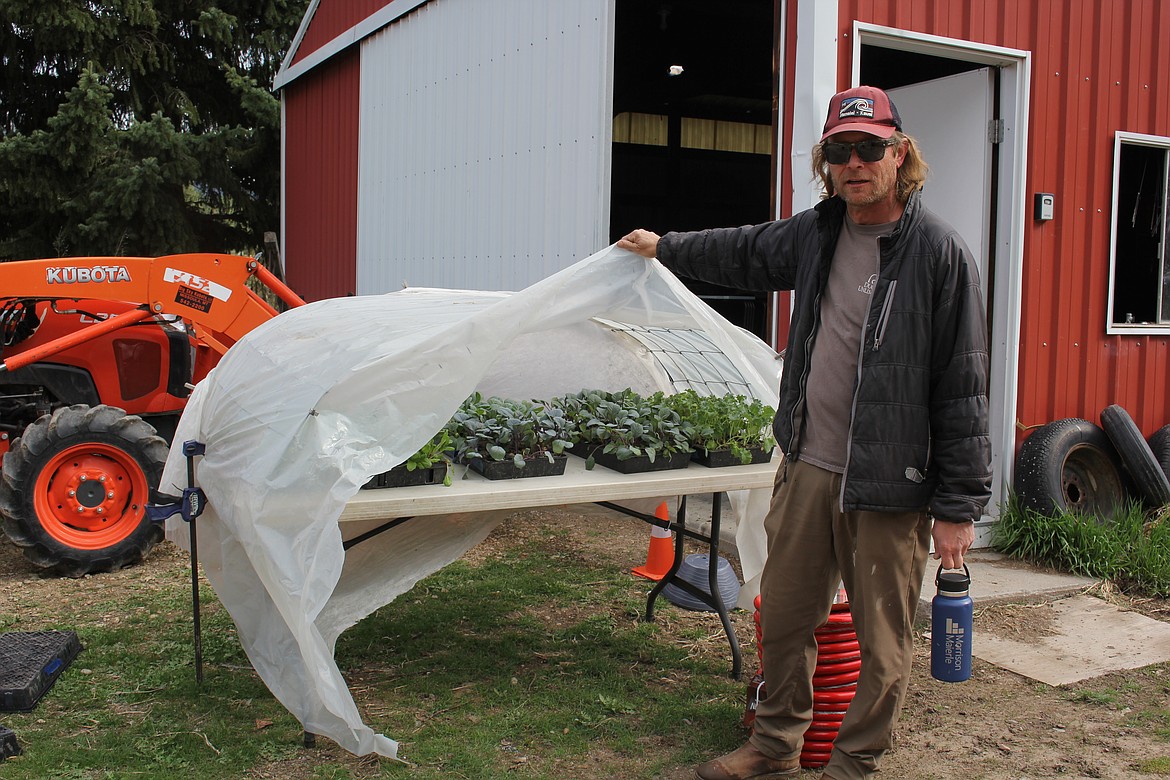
(97, 358)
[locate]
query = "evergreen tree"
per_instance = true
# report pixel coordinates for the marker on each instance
(139, 127)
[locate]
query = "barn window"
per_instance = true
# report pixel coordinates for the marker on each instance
(710, 134)
(1140, 263)
(633, 128)
(726, 136)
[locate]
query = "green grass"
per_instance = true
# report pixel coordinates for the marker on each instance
(528, 665)
(532, 663)
(485, 683)
(1131, 548)
(1156, 722)
(128, 706)
(1155, 766)
(1107, 697)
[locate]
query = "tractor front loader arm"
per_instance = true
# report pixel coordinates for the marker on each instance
(209, 291)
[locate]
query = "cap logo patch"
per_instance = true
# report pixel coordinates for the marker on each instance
(856, 107)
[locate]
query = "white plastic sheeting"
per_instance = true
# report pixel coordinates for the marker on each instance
(306, 408)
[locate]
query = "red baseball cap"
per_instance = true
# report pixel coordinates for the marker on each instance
(862, 110)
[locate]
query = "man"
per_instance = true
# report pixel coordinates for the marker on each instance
(882, 418)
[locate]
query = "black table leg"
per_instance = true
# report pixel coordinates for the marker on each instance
(713, 583)
(712, 597)
(679, 526)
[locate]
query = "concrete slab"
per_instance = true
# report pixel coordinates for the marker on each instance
(998, 579)
(1089, 638)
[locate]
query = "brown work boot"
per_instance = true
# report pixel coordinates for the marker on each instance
(747, 763)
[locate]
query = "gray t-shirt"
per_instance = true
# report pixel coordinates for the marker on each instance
(833, 363)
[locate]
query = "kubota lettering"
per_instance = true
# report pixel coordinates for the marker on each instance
(98, 274)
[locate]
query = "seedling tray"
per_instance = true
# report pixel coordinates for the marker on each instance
(399, 476)
(640, 463)
(30, 662)
(721, 458)
(538, 466)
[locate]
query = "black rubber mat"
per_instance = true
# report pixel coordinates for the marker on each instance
(30, 662)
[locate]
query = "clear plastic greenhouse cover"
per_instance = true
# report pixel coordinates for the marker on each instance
(306, 408)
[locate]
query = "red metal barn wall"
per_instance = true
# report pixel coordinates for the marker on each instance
(1098, 67)
(331, 18)
(321, 155)
(320, 178)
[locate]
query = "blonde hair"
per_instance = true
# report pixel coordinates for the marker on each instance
(911, 174)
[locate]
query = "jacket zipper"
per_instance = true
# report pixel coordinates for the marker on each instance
(802, 383)
(880, 332)
(853, 404)
(884, 319)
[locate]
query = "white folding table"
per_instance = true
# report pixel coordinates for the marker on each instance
(470, 492)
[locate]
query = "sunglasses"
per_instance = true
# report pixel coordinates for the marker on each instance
(868, 151)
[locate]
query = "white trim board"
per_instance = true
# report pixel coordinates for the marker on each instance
(371, 24)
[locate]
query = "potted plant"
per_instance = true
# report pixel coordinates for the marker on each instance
(725, 430)
(431, 464)
(626, 432)
(503, 438)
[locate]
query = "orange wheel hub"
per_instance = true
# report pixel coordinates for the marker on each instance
(91, 496)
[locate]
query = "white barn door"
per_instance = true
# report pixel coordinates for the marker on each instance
(484, 138)
(951, 118)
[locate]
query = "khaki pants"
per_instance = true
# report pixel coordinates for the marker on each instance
(812, 548)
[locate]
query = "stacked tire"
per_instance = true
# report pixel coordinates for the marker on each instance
(1159, 442)
(1073, 465)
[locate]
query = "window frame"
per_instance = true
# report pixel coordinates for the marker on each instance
(1137, 329)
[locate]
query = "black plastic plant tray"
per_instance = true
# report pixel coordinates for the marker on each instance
(538, 466)
(722, 458)
(639, 463)
(399, 476)
(8, 743)
(30, 662)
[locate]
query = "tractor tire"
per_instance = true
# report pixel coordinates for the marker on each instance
(75, 489)
(1069, 466)
(1151, 482)
(1160, 445)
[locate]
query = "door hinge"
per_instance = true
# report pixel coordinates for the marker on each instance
(995, 131)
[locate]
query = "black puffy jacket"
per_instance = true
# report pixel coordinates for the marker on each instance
(918, 438)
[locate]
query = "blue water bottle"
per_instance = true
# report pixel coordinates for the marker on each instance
(951, 614)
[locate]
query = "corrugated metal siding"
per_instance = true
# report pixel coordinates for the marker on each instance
(485, 135)
(320, 185)
(1099, 66)
(332, 18)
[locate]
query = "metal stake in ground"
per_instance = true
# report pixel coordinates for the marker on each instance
(190, 450)
(190, 506)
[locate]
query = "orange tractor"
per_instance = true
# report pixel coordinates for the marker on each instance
(97, 358)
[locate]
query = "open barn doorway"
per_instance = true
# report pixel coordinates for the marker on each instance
(693, 143)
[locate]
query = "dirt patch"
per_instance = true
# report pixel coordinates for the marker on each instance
(1019, 622)
(29, 596)
(997, 726)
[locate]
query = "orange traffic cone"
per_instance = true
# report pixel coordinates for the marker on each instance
(661, 554)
